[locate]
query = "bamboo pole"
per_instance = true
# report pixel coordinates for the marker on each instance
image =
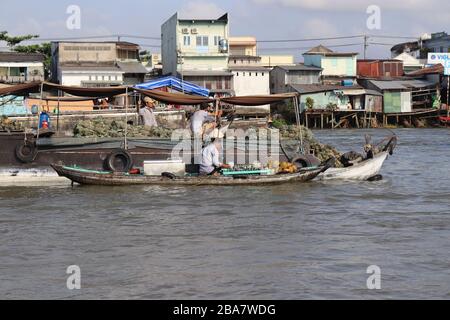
(448, 96)
(126, 120)
(39, 113)
(57, 115)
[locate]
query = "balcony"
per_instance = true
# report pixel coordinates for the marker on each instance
(20, 79)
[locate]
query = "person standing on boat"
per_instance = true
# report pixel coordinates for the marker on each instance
(200, 118)
(211, 164)
(148, 113)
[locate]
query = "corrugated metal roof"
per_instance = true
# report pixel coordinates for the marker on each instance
(248, 68)
(207, 73)
(132, 67)
(401, 84)
(299, 67)
(91, 68)
(316, 88)
(21, 57)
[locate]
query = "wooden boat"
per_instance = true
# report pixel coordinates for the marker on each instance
(105, 178)
(362, 171)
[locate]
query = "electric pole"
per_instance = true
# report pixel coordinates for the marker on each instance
(366, 45)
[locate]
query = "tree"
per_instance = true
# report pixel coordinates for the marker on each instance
(310, 103)
(12, 41)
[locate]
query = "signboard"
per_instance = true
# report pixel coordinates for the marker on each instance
(436, 58)
(447, 68)
(442, 58)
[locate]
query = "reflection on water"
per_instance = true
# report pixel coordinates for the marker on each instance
(286, 242)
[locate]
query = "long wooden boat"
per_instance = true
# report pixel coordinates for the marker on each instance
(105, 178)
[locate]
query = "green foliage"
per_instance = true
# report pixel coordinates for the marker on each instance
(310, 103)
(279, 123)
(332, 106)
(12, 41)
(43, 48)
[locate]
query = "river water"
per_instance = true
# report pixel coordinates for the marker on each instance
(298, 241)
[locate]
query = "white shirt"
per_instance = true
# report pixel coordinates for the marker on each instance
(148, 117)
(198, 119)
(210, 159)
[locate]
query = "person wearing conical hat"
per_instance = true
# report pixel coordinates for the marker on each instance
(148, 113)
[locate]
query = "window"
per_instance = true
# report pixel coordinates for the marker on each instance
(217, 40)
(237, 74)
(187, 41)
(202, 41)
(243, 74)
(249, 74)
(219, 84)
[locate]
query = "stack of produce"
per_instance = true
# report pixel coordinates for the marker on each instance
(106, 128)
(287, 167)
(7, 124)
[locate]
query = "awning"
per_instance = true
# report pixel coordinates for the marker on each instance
(174, 98)
(176, 84)
(252, 101)
(21, 89)
(88, 92)
(354, 92)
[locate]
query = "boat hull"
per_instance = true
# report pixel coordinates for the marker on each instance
(361, 172)
(89, 177)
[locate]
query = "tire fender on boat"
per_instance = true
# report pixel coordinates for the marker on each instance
(26, 152)
(119, 160)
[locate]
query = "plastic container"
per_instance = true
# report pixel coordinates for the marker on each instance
(44, 121)
(157, 168)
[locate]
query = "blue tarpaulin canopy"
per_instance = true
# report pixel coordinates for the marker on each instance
(175, 83)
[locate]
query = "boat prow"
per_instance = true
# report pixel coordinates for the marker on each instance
(361, 172)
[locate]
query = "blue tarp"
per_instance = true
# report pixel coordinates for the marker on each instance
(174, 83)
(13, 106)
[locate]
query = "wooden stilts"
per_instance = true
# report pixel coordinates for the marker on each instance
(321, 121)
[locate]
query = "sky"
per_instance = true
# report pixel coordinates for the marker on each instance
(264, 19)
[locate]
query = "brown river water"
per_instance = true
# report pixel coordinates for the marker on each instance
(297, 241)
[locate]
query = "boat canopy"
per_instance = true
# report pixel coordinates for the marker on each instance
(252, 101)
(174, 98)
(20, 89)
(166, 97)
(103, 92)
(175, 83)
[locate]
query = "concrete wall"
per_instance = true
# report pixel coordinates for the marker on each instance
(86, 52)
(303, 77)
(277, 60)
(78, 78)
(279, 78)
(333, 66)
(252, 83)
(339, 66)
(322, 99)
(169, 45)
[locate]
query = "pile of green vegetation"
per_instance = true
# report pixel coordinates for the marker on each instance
(107, 128)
